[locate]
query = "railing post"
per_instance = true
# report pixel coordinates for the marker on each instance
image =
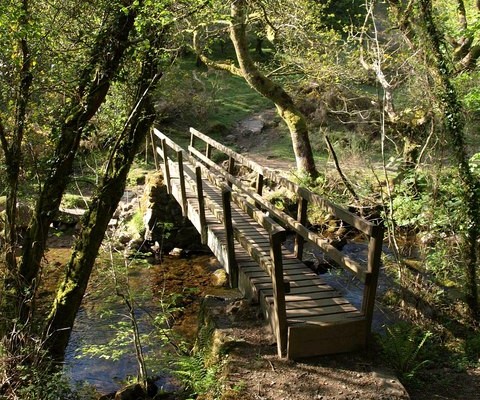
(152, 142)
(183, 191)
(166, 167)
(208, 151)
(374, 259)
(227, 221)
(259, 188)
(231, 168)
(302, 219)
(201, 205)
(278, 284)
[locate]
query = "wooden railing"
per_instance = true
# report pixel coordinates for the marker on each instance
(173, 155)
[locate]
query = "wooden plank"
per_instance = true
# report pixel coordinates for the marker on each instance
(300, 290)
(320, 311)
(324, 294)
(326, 319)
(329, 339)
(326, 302)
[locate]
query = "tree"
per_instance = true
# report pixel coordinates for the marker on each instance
(426, 36)
(95, 222)
(267, 87)
(455, 129)
(12, 144)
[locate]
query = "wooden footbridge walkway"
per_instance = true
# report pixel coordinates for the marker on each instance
(246, 233)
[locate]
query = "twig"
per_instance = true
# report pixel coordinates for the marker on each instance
(345, 181)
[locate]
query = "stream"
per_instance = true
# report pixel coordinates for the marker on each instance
(101, 351)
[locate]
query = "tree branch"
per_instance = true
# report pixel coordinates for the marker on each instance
(344, 179)
(229, 67)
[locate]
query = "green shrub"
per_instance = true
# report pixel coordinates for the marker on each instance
(403, 347)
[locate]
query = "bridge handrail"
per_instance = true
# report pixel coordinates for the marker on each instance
(359, 223)
(273, 265)
(360, 271)
(368, 275)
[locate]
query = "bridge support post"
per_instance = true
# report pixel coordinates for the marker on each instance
(166, 167)
(279, 318)
(201, 205)
(374, 260)
(181, 177)
(227, 221)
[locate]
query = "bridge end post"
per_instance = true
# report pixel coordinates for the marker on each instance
(374, 260)
(302, 219)
(201, 205)
(166, 167)
(278, 284)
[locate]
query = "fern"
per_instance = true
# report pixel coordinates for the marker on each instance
(402, 348)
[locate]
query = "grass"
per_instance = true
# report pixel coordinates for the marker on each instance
(209, 100)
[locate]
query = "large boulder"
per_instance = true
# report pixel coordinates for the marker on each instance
(163, 219)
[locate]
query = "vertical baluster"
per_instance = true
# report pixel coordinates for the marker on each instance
(259, 188)
(280, 313)
(201, 205)
(166, 167)
(227, 221)
(231, 169)
(302, 219)
(374, 259)
(183, 191)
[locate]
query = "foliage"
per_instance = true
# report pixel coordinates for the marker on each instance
(403, 347)
(33, 381)
(199, 377)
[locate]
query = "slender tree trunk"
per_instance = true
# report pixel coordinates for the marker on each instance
(13, 156)
(289, 112)
(455, 129)
(95, 222)
(94, 84)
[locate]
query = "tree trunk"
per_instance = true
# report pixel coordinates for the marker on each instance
(94, 84)
(95, 222)
(13, 157)
(287, 110)
(454, 127)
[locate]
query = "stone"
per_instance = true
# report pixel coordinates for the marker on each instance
(219, 278)
(176, 252)
(131, 392)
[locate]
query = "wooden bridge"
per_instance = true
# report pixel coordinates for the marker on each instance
(246, 233)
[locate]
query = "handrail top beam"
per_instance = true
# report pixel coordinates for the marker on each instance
(359, 223)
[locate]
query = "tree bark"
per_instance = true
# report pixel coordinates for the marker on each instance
(94, 83)
(286, 108)
(454, 127)
(95, 222)
(13, 156)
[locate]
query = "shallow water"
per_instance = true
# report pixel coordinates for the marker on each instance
(104, 317)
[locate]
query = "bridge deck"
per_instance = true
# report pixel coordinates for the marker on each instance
(319, 319)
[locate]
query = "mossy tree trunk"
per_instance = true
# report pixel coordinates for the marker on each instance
(94, 83)
(12, 148)
(268, 88)
(95, 222)
(455, 129)
(273, 91)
